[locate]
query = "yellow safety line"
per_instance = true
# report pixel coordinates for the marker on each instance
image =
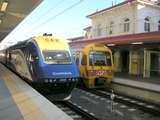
(28, 108)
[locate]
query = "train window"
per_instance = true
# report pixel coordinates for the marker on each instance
(84, 60)
(33, 55)
(56, 56)
(77, 60)
(10, 57)
(31, 52)
(109, 63)
(98, 58)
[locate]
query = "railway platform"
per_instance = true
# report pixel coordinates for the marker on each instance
(141, 89)
(152, 79)
(138, 84)
(19, 101)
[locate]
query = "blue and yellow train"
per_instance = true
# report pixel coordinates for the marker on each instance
(46, 62)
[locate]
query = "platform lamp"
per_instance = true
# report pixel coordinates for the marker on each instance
(4, 5)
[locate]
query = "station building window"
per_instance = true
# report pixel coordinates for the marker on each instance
(126, 25)
(111, 27)
(99, 30)
(106, 29)
(147, 24)
(159, 25)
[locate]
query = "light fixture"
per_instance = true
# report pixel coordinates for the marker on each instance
(137, 43)
(110, 44)
(4, 6)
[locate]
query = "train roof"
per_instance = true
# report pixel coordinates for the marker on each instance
(20, 44)
(79, 48)
(45, 39)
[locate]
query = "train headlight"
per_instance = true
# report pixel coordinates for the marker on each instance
(46, 80)
(50, 80)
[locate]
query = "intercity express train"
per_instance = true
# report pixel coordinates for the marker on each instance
(95, 64)
(45, 62)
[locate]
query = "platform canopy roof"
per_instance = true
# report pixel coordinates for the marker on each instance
(12, 12)
(148, 37)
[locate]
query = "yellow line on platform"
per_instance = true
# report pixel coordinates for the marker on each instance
(28, 108)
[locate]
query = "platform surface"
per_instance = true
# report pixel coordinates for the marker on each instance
(19, 101)
(138, 84)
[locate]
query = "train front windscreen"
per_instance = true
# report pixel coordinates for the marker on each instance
(99, 58)
(57, 57)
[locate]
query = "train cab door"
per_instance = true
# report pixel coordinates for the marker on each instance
(83, 70)
(83, 65)
(33, 62)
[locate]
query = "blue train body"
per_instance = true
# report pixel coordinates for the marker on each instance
(47, 63)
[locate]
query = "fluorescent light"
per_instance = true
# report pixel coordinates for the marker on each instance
(137, 43)
(4, 6)
(110, 44)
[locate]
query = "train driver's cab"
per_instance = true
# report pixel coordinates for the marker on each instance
(33, 57)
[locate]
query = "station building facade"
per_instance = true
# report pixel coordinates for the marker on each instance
(132, 30)
(128, 18)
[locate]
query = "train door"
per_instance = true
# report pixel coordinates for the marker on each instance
(83, 70)
(83, 65)
(33, 61)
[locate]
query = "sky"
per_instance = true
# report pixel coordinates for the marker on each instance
(63, 18)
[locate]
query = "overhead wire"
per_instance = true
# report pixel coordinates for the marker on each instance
(58, 14)
(51, 9)
(48, 11)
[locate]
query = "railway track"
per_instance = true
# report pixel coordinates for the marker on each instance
(134, 103)
(75, 111)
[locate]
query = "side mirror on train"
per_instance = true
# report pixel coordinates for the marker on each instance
(33, 58)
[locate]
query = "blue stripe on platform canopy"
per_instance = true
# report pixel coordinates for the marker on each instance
(8, 108)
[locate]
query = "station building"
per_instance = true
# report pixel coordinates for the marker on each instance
(132, 30)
